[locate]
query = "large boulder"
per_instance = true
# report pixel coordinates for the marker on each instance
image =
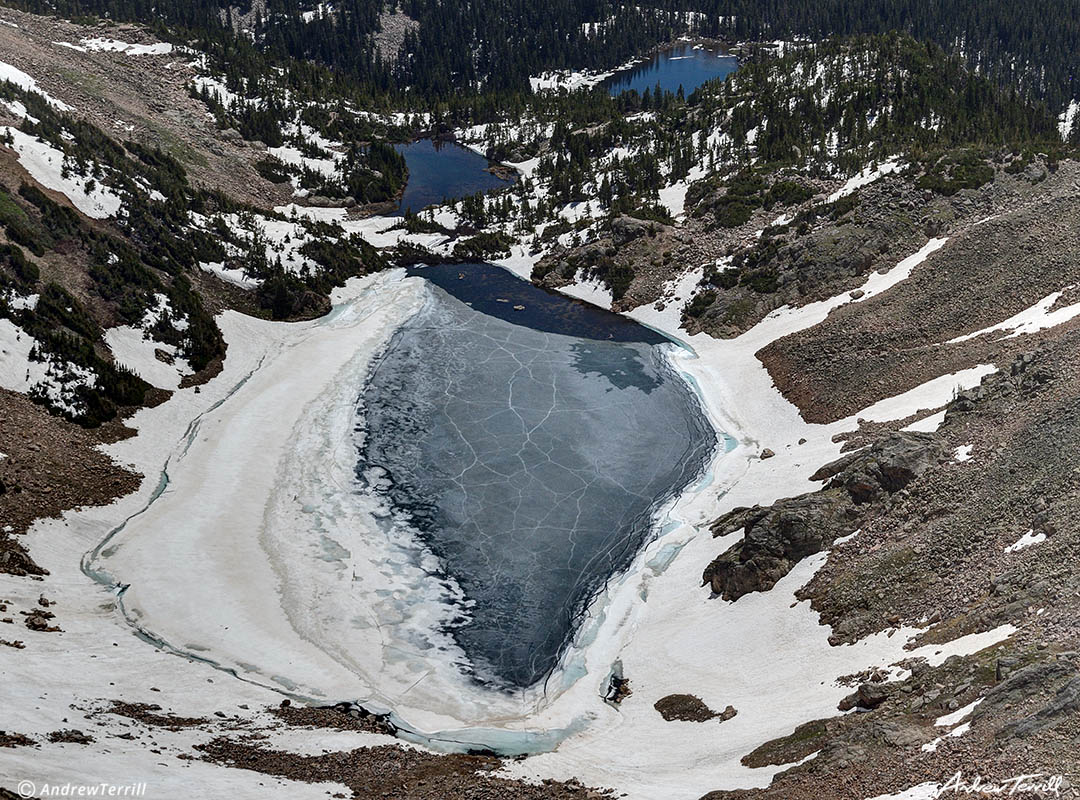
(885, 468)
(777, 537)
(625, 229)
(1053, 685)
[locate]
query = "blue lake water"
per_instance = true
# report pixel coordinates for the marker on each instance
(529, 449)
(441, 171)
(685, 65)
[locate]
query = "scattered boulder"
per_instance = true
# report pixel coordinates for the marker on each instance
(897, 733)
(38, 620)
(868, 695)
(625, 229)
(14, 740)
(690, 708)
(73, 736)
(684, 708)
(767, 453)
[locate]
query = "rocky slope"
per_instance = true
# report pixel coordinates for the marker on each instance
(966, 526)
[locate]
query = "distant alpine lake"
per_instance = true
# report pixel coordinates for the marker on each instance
(441, 171)
(528, 440)
(685, 65)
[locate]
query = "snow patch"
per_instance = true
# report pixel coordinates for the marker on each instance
(234, 276)
(1068, 119)
(1031, 320)
(26, 83)
(927, 424)
(17, 372)
(958, 715)
(1027, 540)
(46, 164)
(867, 176)
(923, 791)
(134, 349)
(848, 538)
(591, 291)
(114, 46)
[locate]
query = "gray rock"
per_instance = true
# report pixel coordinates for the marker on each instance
(775, 539)
(898, 734)
(868, 695)
(625, 229)
(886, 467)
(1033, 681)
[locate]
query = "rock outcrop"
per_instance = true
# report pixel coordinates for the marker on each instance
(885, 468)
(777, 537)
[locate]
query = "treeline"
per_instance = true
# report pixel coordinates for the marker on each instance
(843, 103)
(484, 46)
(1031, 45)
(473, 45)
(151, 251)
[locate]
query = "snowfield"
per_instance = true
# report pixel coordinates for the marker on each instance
(247, 548)
(60, 677)
(102, 44)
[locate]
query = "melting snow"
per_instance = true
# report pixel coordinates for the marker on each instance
(1068, 119)
(114, 46)
(132, 348)
(848, 538)
(958, 715)
(1027, 540)
(25, 82)
(952, 719)
(1030, 320)
(923, 791)
(46, 164)
(927, 424)
(234, 276)
(589, 290)
(17, 372)
(867, 176)
(18, 109)
(963, 453)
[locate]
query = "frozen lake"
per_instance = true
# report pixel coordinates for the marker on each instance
(528, 441)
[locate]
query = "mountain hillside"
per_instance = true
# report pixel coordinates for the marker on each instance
(861, 244)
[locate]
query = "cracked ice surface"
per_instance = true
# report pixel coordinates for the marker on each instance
(530, 463)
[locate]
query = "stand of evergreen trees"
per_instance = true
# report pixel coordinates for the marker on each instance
(492, 46)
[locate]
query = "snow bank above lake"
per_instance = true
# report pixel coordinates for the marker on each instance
(133, 349)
